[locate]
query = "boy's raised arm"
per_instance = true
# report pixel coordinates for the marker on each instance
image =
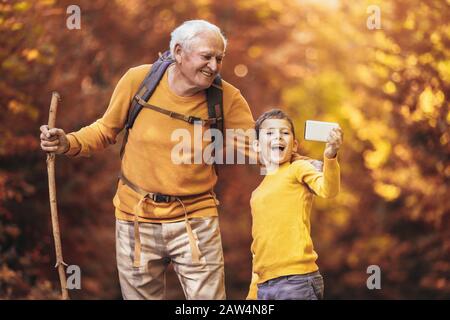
(325, 184)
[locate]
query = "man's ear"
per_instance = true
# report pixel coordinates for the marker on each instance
(177, 52)
(255, 146)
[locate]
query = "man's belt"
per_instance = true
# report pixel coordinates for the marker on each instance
(156, 196)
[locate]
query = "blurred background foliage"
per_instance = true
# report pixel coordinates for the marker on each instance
(388, 88)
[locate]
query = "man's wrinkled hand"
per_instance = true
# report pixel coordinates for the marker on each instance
(53, 140)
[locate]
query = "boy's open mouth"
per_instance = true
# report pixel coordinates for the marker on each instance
(278, 147)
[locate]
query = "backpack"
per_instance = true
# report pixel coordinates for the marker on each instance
(214, 96)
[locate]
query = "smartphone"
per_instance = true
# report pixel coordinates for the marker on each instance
(318, 130)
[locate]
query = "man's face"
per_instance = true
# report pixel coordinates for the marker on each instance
(276, 142)
(201, 61)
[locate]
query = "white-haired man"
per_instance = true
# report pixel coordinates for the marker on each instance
(184, 229)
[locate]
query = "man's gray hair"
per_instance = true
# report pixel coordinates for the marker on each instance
(186, 32)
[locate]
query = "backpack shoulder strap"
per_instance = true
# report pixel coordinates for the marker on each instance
(149, 85)
(146, 89)
(214, 97)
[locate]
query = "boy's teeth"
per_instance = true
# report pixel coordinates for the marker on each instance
(278, 149)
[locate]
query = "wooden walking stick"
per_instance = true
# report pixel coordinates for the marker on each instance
(53, 208)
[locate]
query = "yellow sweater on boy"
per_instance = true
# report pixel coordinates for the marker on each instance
(281, 208)
(147, 160)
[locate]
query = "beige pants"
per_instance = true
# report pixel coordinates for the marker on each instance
(163, 243)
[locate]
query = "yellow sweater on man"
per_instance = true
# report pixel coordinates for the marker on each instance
(281, 209)
(147, 160)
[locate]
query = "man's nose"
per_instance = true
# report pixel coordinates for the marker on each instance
(212, 64)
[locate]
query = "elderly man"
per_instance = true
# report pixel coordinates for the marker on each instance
(165, 211)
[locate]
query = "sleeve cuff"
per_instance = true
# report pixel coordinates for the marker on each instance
(330, 164)
(329, 160)
(74, 146)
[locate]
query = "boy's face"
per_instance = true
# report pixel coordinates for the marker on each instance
(276, 142)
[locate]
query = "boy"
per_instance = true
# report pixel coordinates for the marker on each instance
(284, 265)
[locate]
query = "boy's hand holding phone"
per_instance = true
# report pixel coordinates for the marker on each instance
(328, 132)
(334, 142)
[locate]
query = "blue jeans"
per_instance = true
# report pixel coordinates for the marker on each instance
(293, 287)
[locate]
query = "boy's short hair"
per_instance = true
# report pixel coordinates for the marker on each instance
(273, 114)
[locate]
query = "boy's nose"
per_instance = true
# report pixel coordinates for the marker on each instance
(277, 135)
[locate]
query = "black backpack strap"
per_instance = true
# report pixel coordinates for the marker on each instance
(145, 91)
(214, 97)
